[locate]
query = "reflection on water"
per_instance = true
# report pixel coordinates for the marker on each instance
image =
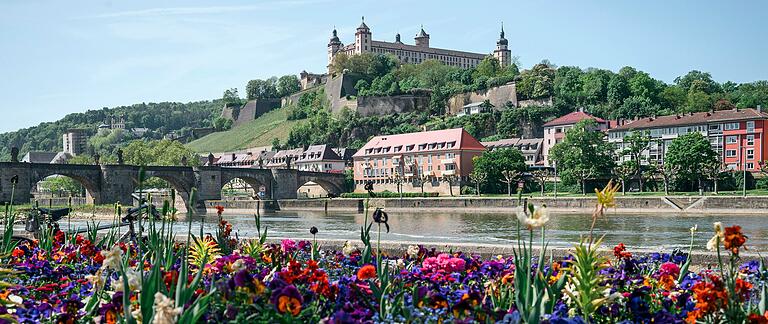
(666, 231)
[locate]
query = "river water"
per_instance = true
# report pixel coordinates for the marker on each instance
(656, 232)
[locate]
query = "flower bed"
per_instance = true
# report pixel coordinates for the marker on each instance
(216, 279)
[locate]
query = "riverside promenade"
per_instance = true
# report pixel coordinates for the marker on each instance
(631, 205)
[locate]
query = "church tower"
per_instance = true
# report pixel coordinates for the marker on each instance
(362, 38)
(334, 45)
(422, 39)
(502, 52)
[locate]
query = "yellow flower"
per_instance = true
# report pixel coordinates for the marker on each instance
(607, 197)
(718, 237)
(205, 247)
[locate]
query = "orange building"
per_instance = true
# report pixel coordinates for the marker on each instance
(427, 158)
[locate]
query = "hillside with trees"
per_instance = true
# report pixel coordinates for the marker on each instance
(159, 118)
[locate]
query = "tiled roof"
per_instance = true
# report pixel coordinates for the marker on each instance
(693, 119)
(572, 118)
(527, 145)
(456, 138)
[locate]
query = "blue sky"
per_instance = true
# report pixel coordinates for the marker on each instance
(59, 57)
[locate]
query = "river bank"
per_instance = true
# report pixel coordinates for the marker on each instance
(757, 205)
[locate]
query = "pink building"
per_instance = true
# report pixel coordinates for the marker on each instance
(426, 157)
(554, 130)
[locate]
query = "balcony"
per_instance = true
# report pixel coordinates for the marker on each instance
(448, 172)
(448, 161)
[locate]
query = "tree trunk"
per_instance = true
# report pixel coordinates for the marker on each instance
(640, 176)
(623, 188)
(701, 189)
(543, 184)
(715, 185)
(477, 188)
(666, 187)
(509, 188)
(583, 187)
(450, 189)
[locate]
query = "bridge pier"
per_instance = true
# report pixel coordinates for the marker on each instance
(117, 184)
(285, 184)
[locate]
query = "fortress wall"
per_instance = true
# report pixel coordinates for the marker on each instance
(498, 96)
(370, 106)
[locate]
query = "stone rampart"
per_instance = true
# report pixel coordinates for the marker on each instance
(498, 96)
(371, 106)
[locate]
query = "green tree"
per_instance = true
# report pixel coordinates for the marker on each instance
(582, 154)
(690, 155)
(698, 81)
(261, 89)
(231, 98)
(636, 144)
(494, 163)
(636, 107)
(618, 90)
(159, 152)
(221, 123)
(287, 84)
(538, 82)
(63, 186)
(488, 67)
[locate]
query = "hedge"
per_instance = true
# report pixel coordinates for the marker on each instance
(389, 194)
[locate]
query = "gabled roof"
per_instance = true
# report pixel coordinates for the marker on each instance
(39, 157)
(694, 119)
(318, 153)
(422, 33)
(386, 144)
(572, 118)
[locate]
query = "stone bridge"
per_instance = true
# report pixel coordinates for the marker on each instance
(107, 184)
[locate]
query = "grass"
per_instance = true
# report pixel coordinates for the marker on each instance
(259, 132)
(737, 193)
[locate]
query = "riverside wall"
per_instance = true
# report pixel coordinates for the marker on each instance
(630, 205)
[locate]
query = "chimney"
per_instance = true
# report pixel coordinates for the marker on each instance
(233, 156)
(759, 108)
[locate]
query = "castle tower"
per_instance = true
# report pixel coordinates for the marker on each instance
(334, 45)
(422, 39)
(362, 38)
(502, 52)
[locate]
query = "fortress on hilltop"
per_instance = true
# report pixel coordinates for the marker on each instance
(416, 53)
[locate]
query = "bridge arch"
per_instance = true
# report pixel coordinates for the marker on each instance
(89, 177)
(332, 183)
(180, 179)
(255, 178)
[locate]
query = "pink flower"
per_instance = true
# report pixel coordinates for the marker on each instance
(288, 245)
(669, 268)
(443, 262)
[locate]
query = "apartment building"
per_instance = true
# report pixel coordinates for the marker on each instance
(320, 158)
(428, 156)
(531, 148)
(554, 130)
(737, 135)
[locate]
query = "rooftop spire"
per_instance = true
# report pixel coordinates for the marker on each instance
(362, 24)
(502, 29)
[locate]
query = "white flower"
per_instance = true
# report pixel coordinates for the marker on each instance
(134, 281)
(694, 228)
(112, 258)
(165, 313)
(538, 218)
(96, 280)
(718, 237)
(238, 265)
(413, 251)
(15, 299)
(136, 313)
(348, 248)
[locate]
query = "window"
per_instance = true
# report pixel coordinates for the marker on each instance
(731, 140)
(750, 139)
(750, 126)
(750, 154)
(730, 153)
(731, 126)
(750, 166)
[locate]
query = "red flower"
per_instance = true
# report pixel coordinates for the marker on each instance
(710, 297)
(367, 271)
(742, 289)
(620, 252)
(734, 239)
(219, 209)
(757, 319)
(18, 253)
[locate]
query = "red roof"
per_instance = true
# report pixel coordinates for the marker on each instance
(694, 119)
(397, 144)
(572, 118)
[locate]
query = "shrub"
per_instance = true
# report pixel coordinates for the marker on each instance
(389, 194)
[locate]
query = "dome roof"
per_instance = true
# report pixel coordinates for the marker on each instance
(502, 40)
(334, 38)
